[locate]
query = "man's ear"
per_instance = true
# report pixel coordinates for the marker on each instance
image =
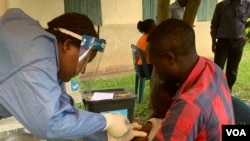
(66, 45)
(169, 56)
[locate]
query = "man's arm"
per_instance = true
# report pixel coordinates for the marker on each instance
(180, 122)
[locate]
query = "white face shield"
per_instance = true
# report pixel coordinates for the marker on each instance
(91, 50)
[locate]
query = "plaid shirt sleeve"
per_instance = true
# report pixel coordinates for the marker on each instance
(201, 106)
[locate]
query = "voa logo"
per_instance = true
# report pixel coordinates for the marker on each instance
(236, 132)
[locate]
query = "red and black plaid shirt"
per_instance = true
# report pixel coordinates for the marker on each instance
(201, 106)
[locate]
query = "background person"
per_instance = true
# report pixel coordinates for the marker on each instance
(35, 63)
(227, 32)
(144, 27)
(177, 9)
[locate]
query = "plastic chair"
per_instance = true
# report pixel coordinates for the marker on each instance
(139, 78)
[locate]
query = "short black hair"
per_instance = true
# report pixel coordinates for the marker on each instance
(75, 22)
(176, 33)
(146, 26)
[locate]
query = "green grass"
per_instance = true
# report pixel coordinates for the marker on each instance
(241, 88)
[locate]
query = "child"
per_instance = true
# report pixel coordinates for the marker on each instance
(160, 99)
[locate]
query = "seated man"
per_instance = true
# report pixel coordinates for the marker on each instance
(202, 103)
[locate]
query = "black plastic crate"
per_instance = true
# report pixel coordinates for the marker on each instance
(122, 103)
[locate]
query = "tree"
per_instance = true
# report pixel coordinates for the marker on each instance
(162, 10)
(189, 15)
(191, 11)
(162, 14)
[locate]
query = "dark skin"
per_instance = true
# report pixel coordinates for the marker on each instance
(173, 56)
(146, 128)
(235, 1)
(68, 60)
(161, 99)
(171, 67)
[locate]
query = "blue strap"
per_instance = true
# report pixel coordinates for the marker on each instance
(93, 42)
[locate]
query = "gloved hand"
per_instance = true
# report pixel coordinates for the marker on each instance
(116, 125)
(157, 123)
(133, 132)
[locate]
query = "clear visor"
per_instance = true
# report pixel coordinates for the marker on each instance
(89, 43)
(91, 50)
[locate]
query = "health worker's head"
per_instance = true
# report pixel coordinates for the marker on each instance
(77, 41)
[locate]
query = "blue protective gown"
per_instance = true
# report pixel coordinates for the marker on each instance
(29, 87)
